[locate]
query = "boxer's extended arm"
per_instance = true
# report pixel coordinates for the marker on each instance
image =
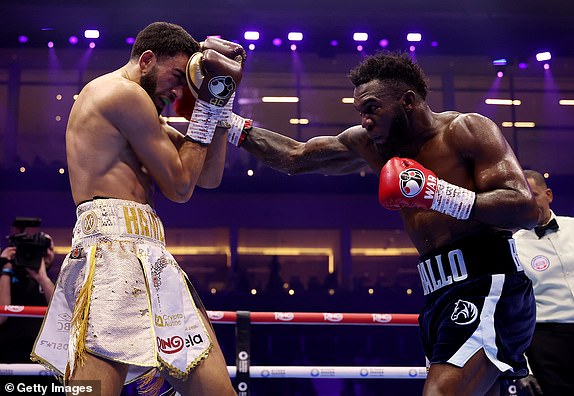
(329, 155)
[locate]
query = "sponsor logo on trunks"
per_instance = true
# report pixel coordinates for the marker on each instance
(58, 346)
(89, 222)
(382, 318)
(176, 343)
(435, 274)
(333, 317)
(143, 222)
(63, 323)
(540, 263)
(284, 316)
(464, 313)
(168, 320)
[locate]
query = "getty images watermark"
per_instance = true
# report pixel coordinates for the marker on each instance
(76, 388)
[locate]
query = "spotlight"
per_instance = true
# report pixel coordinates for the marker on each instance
(500, 62)
(384, 43)
(277, 41)
(130, 40)
(359, 48)
(92, 45)
(251, 46)
(251, 35)
(360, 36)
(334, 43)
(293, 47)
(50, 44)
(543, 56)
(91, 33)
(414, 37)
(22, 39)
(295, 36)
(73, 40)
(434, 43)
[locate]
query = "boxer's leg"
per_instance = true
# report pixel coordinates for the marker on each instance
(109, 374)
(476, 377)
(210, 377)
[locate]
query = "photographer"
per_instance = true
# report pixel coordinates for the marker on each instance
(27, 285)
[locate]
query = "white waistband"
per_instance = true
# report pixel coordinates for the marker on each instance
(117, 218)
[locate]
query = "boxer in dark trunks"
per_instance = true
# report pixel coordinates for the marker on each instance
(461, 212)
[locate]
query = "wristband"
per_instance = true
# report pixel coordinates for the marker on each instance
(453, 200)
(239, 129)
(7, 271)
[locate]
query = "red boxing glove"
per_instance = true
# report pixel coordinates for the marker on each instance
(404, 183)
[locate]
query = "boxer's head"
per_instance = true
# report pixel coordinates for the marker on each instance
(163, 50)
(387, 86)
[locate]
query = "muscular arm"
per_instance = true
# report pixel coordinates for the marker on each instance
(503, 197)
(175, 169)
(330, 155)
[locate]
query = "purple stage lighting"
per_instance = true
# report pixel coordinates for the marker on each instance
(251, 35)
(543, 56)
(359, 48)
(92, 45)
(277, 41)
(500, 62)
(22, 39)
(359, 36)
(414, 37)
(523, 65)
(334, 43)
(91, 33)
(130, 40)
(295, 36)
(73, 40)
(384, 43)
(434, 44)
(50, 44)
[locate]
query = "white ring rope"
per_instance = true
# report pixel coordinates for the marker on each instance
(335, 372)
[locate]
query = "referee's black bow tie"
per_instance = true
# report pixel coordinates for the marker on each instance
(541, 230)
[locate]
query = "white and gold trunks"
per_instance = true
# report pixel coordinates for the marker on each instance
(121, 295)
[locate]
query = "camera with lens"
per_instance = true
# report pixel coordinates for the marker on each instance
(30, 248)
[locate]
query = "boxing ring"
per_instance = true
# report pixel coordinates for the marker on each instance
(243, 320)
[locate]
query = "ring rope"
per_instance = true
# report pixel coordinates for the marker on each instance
(335, 372)
(230, 317)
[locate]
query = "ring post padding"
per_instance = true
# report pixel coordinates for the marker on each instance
(243, 352)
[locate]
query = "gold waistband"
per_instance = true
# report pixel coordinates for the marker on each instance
(117, 218)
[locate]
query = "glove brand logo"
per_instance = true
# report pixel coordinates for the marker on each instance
(221, 87)
(411, 182)
(464, 313)
(540, 263)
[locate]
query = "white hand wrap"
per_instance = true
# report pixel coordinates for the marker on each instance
(203, 122)
(224, 120)
(238, 129)
(453, 200)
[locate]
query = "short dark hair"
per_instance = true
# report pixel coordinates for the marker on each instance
(394, 68)
(165, 40)
(536, 176)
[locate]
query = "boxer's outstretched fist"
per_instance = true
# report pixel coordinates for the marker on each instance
(404, 183)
